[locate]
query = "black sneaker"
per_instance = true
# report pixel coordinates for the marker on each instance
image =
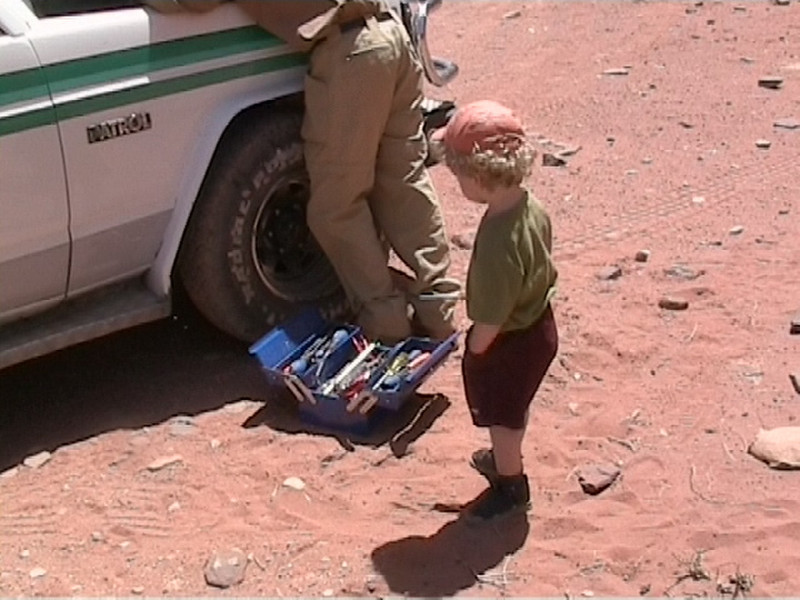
(510, 496)
(483, 462)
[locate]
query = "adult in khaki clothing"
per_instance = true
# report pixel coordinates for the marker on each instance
(365, 151)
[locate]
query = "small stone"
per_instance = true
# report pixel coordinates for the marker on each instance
(225, 568)
(647, 160)
(686, 124)
(739, 8)
(642, 256)
(294, 483)
(763, 144)
(24, 553)
(736, 230)
(683, 272)
(328, 593)
(573, 408)
(567, 151)
(593, 479)
(463, 241)
(771, 82)
(514, 14)
(138, 590)
(37, 460)
(215, 443)
(174, 506)
(182, 425)
(698, 199)
(9, 473)
(97, 536)
(164, 461)
(617, 71)
(747, 60)
(670, 303)
(781, 2)
(794, 328)
(795, 379)
(552, 160)
(609, 273)
(786, 124)
(38, 572)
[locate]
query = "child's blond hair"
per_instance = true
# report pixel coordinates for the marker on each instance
(503, 165)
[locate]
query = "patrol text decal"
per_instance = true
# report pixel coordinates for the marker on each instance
(108, 130)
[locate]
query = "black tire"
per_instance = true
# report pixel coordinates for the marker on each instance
(248, 260)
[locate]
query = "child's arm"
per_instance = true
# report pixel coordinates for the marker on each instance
(481, 337)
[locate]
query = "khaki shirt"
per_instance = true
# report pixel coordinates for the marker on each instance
(300, 23)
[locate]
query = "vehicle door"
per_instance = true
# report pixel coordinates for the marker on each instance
(34, 217)
(94, 54)
(133, 91)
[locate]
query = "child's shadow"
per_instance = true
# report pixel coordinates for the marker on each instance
(454, 558)
(397, 428)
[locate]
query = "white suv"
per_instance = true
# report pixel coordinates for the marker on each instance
(136, 147)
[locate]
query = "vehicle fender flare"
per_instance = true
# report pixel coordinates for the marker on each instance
(159, 276)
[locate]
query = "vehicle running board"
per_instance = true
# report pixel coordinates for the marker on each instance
(91, 316)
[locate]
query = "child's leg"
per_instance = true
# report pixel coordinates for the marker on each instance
(507, 449)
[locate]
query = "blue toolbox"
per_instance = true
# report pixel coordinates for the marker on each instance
(339, 378)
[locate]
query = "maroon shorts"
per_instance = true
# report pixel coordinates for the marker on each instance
(501, 382)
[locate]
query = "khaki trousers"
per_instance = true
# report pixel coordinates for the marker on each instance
(365, 152)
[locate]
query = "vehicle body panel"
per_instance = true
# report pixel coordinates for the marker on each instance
(34, 219)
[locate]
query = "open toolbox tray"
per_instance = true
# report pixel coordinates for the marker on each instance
(341, 379)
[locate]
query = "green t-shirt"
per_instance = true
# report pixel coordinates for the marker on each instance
(511, 277)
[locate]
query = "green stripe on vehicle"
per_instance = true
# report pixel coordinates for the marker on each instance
(158, 89)
(28, 120)
(75, 74)
(22, 86)
(150, 91)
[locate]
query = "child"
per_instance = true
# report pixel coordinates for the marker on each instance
(510, 282)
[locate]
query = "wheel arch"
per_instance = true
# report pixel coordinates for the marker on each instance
(210, 142)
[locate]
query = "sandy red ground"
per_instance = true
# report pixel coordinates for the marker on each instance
(667, 163)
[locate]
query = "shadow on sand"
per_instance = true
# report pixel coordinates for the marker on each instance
(396, 428)
(454, 558)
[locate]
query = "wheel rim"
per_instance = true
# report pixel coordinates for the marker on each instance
(289, 261)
